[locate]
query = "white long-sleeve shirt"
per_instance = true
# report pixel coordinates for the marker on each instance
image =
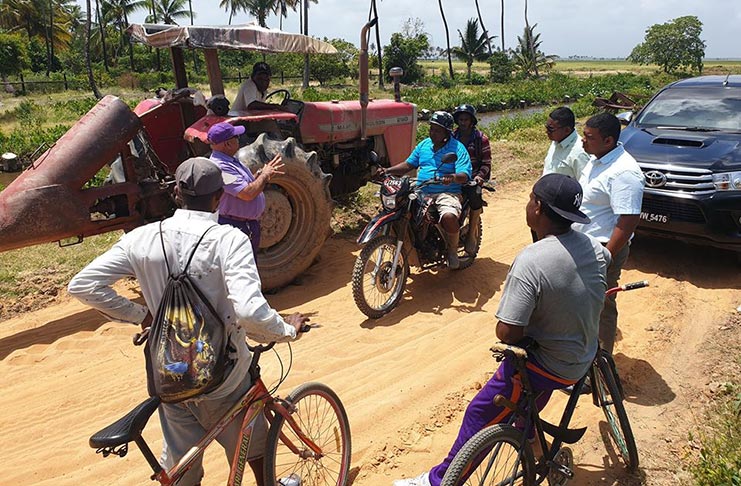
(223, 268)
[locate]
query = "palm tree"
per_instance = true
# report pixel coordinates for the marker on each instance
(283, 6)
(231, 6)
(260, 9)
(195, 54)
(90, 77)
(374, 14)
(153, 19)
(481, 21)
(533, 54)
(116, 13)
(447, 38)
(528, 57)
(473, 45)
(170, 10)
(101, 29)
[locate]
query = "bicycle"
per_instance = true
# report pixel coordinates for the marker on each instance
(502, 454)
(309, 434)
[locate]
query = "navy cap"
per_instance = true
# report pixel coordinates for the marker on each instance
(563, 194)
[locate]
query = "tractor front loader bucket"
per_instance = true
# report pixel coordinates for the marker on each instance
(49, 201)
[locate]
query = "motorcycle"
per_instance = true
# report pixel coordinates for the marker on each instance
(405, 232)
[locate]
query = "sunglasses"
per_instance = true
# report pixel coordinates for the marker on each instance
(550, 128)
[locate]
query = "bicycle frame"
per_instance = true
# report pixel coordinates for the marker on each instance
(527, 409)
(258, 400)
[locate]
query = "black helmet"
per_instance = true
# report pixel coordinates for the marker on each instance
(465, 109)
(442, 118)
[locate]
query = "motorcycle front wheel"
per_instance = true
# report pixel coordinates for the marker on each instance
(375, 289)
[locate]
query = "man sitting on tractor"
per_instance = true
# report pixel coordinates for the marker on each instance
(253, 91)
(428, 158)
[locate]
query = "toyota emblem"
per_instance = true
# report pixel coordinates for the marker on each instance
(654, 178)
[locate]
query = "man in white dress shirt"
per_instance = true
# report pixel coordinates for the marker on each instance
(613, 193)
(224, 268)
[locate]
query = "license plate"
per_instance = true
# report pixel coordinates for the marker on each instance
(654, 217)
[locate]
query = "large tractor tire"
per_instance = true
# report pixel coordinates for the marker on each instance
(297, 213)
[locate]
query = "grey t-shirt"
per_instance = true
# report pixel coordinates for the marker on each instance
(555, 289)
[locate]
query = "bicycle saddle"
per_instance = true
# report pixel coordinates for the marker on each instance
(127, 428)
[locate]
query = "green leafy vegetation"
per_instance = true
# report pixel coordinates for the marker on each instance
(673, 45)
(719, 461)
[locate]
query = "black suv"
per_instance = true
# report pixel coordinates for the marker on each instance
(687, 140)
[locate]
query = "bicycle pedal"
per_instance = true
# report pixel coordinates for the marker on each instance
(561, 469)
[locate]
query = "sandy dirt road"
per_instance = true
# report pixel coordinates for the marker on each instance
(405, 379)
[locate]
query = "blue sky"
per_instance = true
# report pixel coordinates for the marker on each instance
(595, 28)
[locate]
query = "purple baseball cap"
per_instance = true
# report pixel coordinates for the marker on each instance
(221, 132)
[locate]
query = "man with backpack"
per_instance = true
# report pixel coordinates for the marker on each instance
(223, 268)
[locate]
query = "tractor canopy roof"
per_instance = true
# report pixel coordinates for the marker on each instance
(250, 37)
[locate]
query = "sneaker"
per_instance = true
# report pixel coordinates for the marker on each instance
(421, 480)
(292, 480)
(453, 262)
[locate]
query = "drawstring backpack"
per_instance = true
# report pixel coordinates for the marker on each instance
(186, 353)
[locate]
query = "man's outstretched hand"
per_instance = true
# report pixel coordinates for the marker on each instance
(297, 320)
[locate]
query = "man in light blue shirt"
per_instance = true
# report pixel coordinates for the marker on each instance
(613, 192)
(428, 158)
(566, 154)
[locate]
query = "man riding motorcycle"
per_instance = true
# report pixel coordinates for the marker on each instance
(428, 158)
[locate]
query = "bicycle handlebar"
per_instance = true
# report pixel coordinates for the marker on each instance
(629, 286)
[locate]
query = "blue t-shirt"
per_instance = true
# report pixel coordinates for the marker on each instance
(430, 163)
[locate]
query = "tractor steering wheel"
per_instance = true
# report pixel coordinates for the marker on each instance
(286, 96)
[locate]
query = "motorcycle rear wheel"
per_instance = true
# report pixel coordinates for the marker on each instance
(375, 291)
(466, 259)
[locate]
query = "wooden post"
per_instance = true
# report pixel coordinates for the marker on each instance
(215, 81)
(178, 67)
(23, 84)
(64, 75)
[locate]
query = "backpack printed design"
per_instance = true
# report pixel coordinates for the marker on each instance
(186, 351)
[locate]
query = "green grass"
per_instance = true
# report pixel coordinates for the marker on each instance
(719, 461)
(29, 276)
(584, 67)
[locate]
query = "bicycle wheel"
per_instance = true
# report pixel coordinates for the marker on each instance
(495, 455)
(321, 418)
(375, 290)
(611, 400)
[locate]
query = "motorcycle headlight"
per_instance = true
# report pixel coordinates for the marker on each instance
(389, 202)
(727, 181)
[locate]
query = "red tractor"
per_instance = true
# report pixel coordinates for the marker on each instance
(325, 146)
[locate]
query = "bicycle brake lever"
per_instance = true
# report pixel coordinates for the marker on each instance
(141, 337)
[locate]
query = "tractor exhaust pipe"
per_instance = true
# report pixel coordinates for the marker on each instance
(396, 73)
(363, 75)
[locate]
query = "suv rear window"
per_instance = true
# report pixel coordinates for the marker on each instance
(698, 108)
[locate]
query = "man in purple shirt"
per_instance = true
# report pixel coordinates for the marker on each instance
(243, 202)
